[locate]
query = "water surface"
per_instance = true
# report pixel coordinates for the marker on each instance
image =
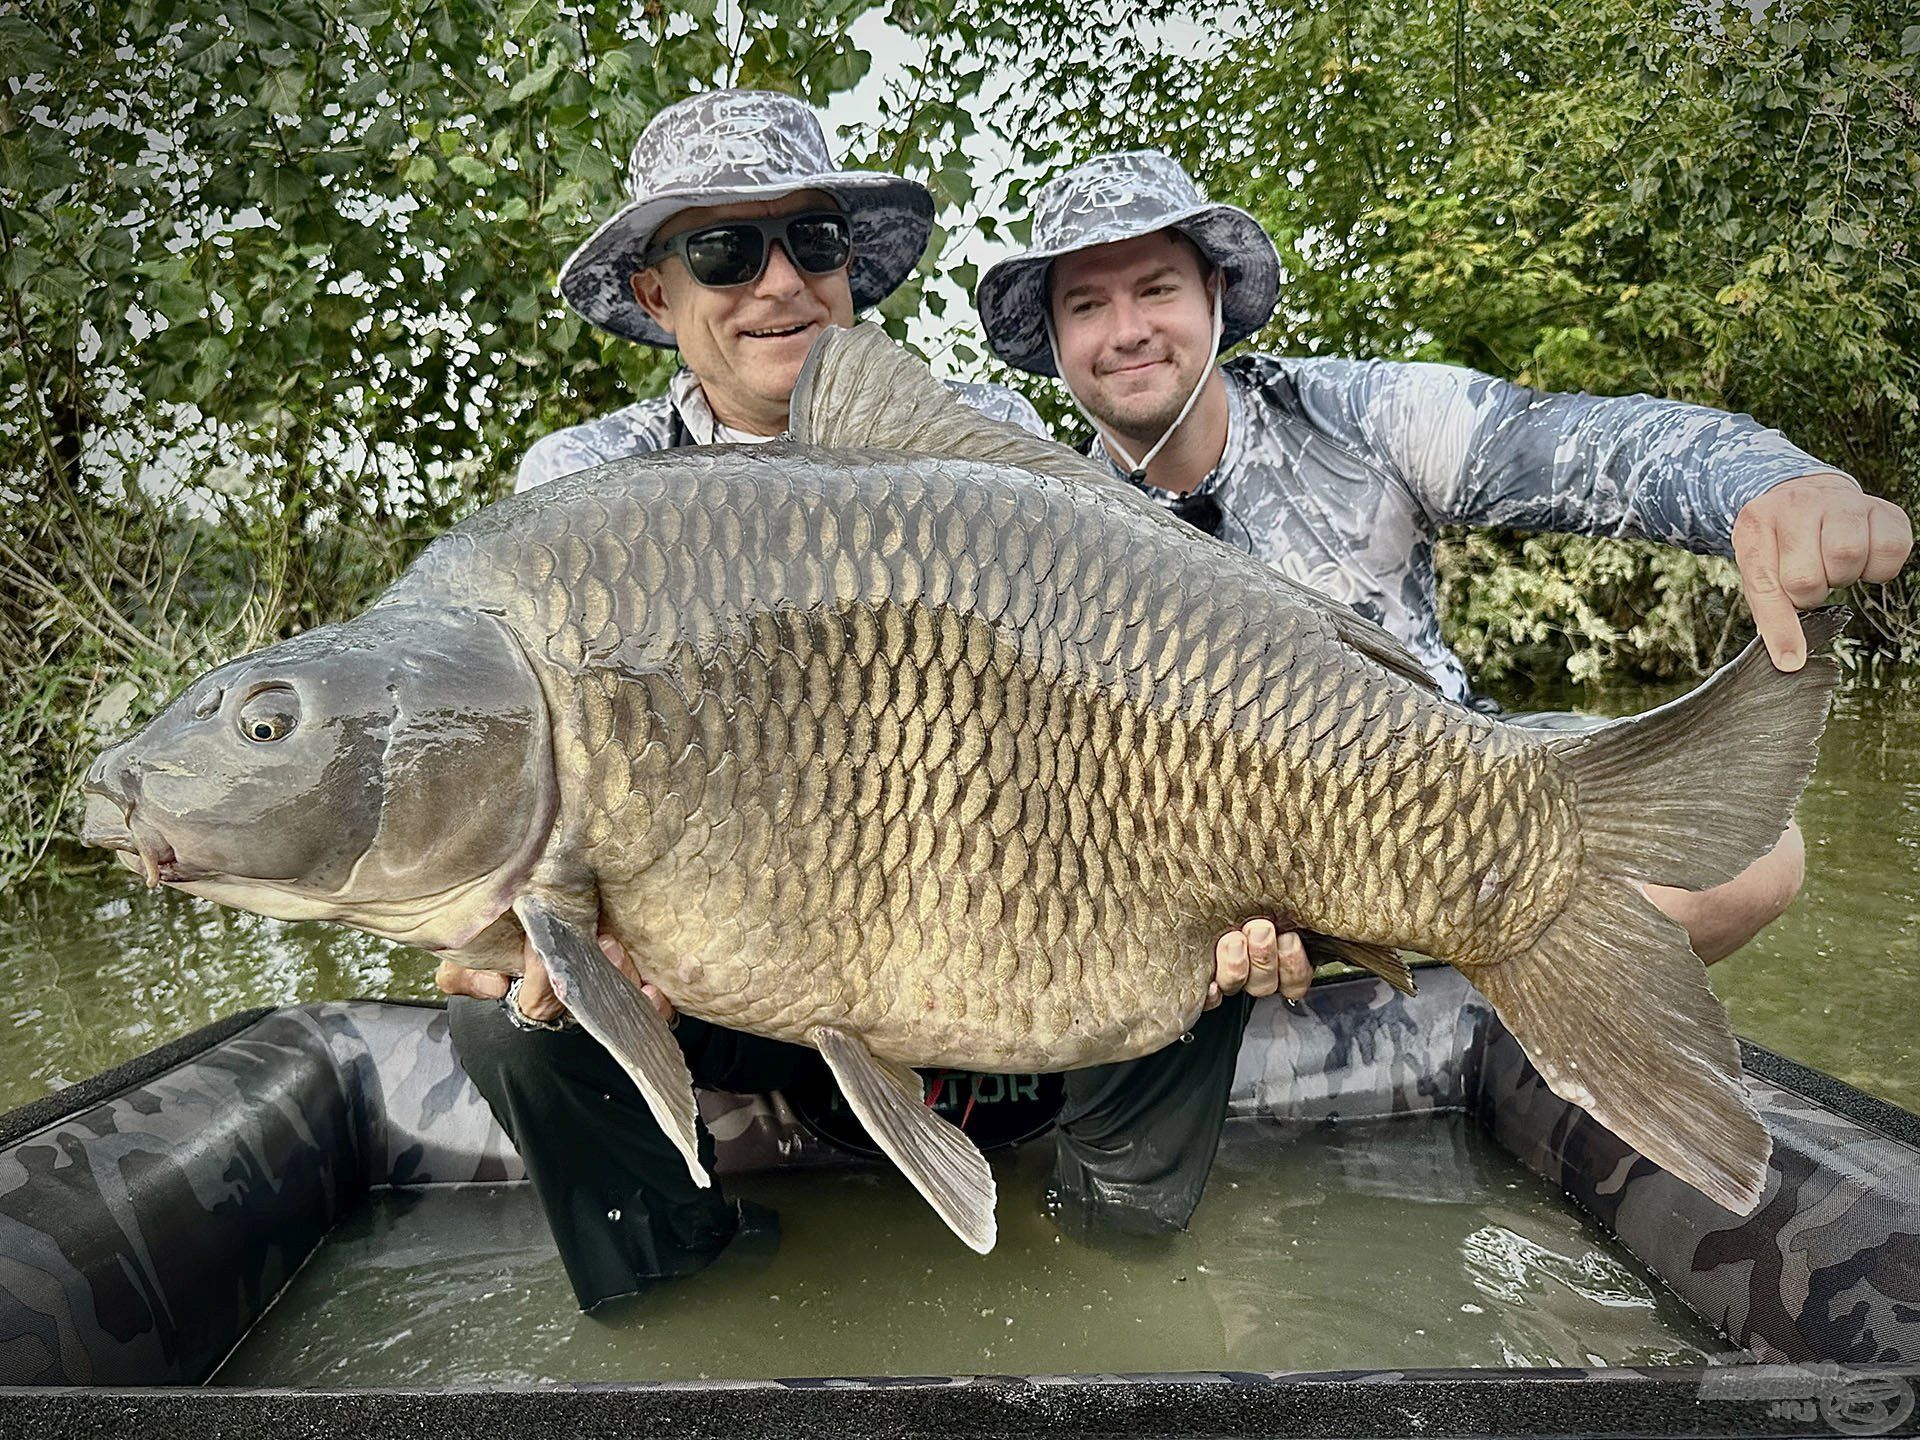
(1418, 1242)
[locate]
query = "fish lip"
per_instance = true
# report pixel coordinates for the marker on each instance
(151, 853)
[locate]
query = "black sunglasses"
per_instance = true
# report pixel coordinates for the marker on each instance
(735, 252)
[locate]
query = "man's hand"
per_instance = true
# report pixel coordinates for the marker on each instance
(1258, 959)
(536, 998)
(1804, 538)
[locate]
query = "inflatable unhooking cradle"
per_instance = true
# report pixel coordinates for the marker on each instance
(149, 1217)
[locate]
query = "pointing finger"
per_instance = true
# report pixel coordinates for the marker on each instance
(1773, 613)
(1296, 971)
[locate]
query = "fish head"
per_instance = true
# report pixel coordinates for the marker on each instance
(394, 772)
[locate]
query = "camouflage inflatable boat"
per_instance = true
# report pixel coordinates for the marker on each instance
(150, 1216)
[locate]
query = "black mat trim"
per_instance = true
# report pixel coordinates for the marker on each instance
(85, 1094)
(1836, 1095)
(1537, 1403)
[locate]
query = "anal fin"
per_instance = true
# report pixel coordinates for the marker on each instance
(611, 1010)
(1383, 960)
(943, 1164)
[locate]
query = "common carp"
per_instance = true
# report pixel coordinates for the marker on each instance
(922, 741)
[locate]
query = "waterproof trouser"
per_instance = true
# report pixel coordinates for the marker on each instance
(616, 1193)
(1133, 1145)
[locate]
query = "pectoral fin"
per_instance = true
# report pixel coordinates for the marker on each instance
(943, 1164)
(617, 1015)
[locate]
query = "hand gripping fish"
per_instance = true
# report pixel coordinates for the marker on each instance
(919, 740)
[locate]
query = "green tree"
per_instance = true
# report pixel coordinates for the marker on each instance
(1629, 195)
(277, 281)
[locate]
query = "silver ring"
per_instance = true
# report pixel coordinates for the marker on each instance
(520, 1020)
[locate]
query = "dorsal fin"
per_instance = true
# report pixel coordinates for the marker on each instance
(860, 391)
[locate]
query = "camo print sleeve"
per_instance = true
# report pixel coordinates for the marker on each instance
(1480, 451)
(633, 430)
(996, 402)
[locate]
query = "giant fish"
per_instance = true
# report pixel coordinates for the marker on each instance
(922, 741)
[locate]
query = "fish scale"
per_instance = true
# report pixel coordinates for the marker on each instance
(1046, 732)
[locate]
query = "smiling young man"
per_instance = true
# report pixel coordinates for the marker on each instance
(1340, 472)
(741, 243)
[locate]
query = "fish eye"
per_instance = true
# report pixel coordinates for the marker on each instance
(270, 714)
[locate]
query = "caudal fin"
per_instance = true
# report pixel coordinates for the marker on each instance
(1614, 1011)
(1610, 1003)
(1694, 792)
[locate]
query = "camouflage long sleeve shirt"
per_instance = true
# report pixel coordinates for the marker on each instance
(1339, 472)
(681, 416)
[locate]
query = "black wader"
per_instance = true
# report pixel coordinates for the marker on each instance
(617, 1196)
(1133, 1146)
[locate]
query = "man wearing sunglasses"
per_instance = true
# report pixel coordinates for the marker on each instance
(1340, 472)
(743, 239)
(741, 243)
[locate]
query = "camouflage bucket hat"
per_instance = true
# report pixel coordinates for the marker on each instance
(1121, 197)
(723, 148)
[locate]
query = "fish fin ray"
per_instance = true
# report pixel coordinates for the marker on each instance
(611, 1010)
(943, 1164)
(1615, 1012)
(1357, 632)
(1383, 960)
(859, 390)
(1692, 793)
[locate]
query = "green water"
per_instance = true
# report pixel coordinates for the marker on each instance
(1425, 1245)
(94, 972)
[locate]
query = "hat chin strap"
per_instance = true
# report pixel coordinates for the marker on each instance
(1137, 469)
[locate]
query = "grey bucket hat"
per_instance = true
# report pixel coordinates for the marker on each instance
(1119, 197)
(729, 146)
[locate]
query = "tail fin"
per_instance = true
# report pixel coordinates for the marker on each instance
(1610, 1004)
(1614, 1011)
(1694, 792)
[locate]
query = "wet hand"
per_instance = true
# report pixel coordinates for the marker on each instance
(1805, 538)
(1259, 959)
(480, 984)
(536, 998)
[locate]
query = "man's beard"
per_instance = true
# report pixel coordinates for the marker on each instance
(1142, 420)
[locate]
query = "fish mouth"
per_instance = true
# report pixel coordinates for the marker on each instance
(142, 849)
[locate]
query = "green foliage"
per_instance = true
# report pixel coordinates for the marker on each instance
(277, 284)
(1632, 195)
